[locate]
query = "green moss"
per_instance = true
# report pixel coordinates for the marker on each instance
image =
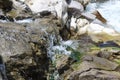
(117, 61)
(115, 48)
(12, 13)
(76, 65)
(95, 48)
(111, 48)
(76, 55)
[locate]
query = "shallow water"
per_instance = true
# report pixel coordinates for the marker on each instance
(110, 10)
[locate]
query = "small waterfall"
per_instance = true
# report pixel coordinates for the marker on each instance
(60, 47)
(56, 49)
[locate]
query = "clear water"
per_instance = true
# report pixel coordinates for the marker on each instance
(109, 10)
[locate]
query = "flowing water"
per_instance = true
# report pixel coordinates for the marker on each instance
(110, 10)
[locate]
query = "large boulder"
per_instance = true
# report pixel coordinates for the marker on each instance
(24, 48)
(56, 6)
(12, 42)
(97, 68)
(76, 5)
(19, 9)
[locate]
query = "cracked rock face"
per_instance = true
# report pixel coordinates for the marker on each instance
(13, 41)
(99, 75)
(24, 49)
(95, 68)
(94, 74)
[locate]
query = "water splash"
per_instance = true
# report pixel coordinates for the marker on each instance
(61, 47)
(110, 10)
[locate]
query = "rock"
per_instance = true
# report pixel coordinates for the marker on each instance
(75, 23)
(97, 29)
(81, 26)
(71, 25)
(104, 54)
(105, 75)
(3, 75)
(110, 53)
(88, 16)
(73, 12)
(24, 48)
(80, 22)
(12, 41)
(55, 6)
(84, 2)
(6, 5)
(102, 33)
(99, 63)
(71, 22)
(76, 5)
(63, 64)
(94, 67)
(19, 9)
(65, 33)
(1, 13)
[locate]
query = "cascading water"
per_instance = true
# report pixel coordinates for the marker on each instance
(59, 48)
(109, 9)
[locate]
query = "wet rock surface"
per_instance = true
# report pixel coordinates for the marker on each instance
(38, 44)
(24, 49)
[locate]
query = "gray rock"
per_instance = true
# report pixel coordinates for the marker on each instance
(76, 5)
(100, 63)
(95, 68)
(13, 40)
(24, 48)
(58, 7)
(84, 2)
(89, 16)
(94, 74)
(63, 64)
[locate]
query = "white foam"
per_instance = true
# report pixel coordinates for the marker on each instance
(110, 10)
(62, 48)
(24, 21)
(3, 21)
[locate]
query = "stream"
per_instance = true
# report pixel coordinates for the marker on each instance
(110, 10)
